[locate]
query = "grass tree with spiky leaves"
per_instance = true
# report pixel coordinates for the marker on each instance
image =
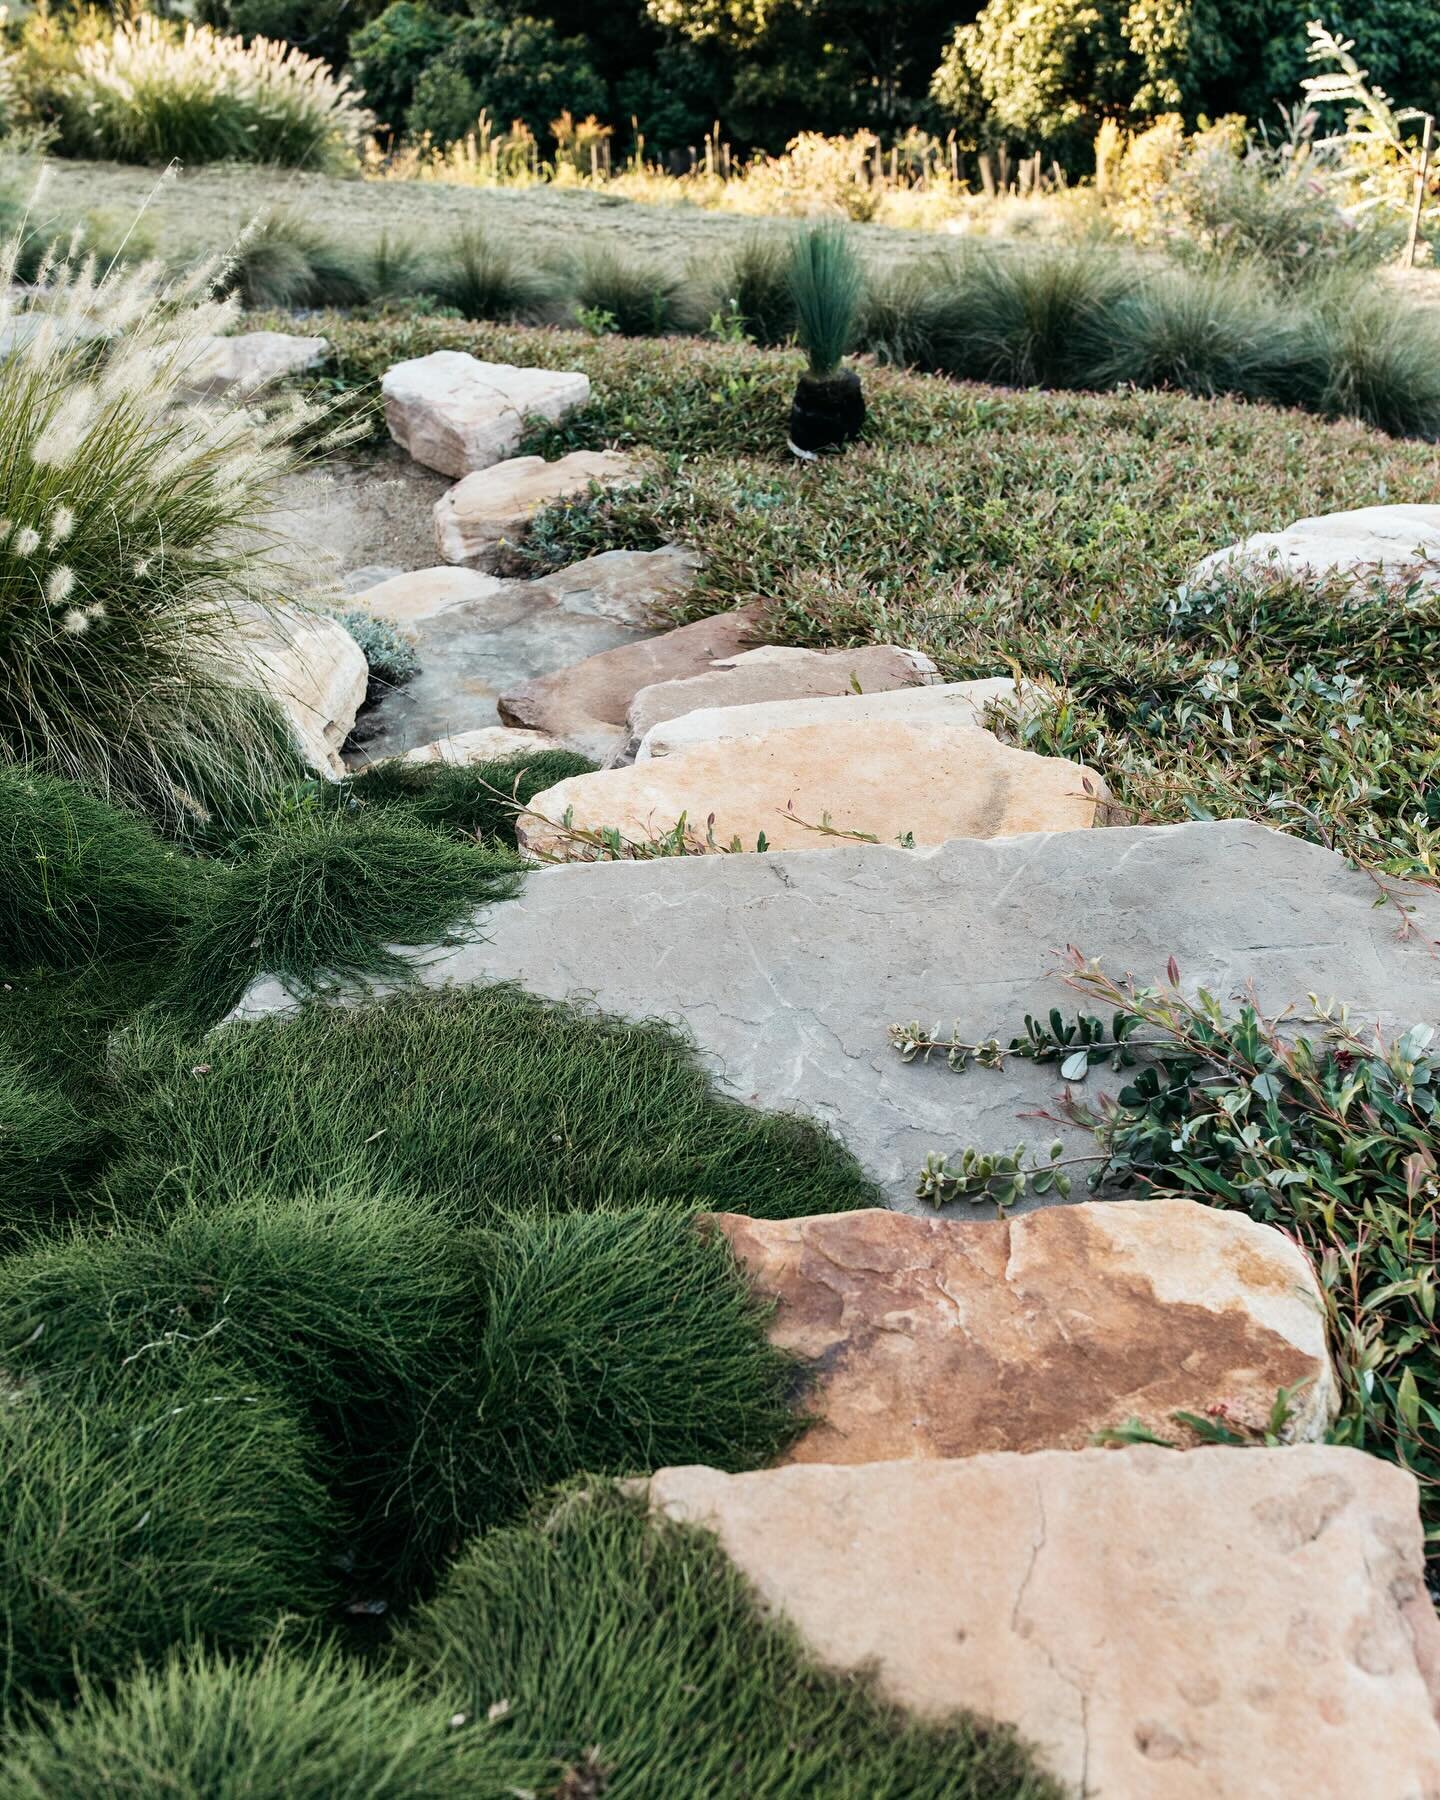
(826, 286)
(129, 538)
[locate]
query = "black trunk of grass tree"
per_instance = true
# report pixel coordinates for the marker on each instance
(826, 284)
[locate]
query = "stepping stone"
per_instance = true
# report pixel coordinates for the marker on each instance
(492, 508)
(360, 581)
(953, 1337)
(1225, 1625)
(470, 652)
(636, 587)
(454, 413)
(311, 666)
(250, 360)
(776, 673)
(1398, 543)
(788, 969)
(886, 779)
(491, 743)
(585, 706)
(408, 598)
(946, 703)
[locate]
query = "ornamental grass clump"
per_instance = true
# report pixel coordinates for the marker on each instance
(283, 261)
(128, 542)
(309, 1725)
(470, 801)
(636, 299)
(676, 1683)
(152, 91)
(826, 288)
(483, 278)
(320, 898)
(163, 1504)
(484, 1099)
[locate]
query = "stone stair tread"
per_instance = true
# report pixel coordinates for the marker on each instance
(788, 968)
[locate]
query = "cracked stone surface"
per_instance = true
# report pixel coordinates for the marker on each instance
(1219, 1626)
(585, 705)
(633, 587)
(950, 702)
(886, 779)
(775, 673)
(788, 968)
(954, 1337)
(454, 413)
(492, 508)
(1396, 543)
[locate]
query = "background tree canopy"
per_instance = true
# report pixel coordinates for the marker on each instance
(1038, 74)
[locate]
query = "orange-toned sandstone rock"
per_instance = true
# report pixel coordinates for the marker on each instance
(929, 1337)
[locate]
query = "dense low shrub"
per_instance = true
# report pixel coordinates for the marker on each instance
(152, 91)
(166, 1503)
(321, 897)
(390, 655)
(676, 1684)
(309, 1726)
(484, 1100)
(123, 557)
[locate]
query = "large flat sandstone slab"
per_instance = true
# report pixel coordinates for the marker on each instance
(490, 509)
(946, 702)
(1223, 1625)
(454, 413)
(886, 779)
(585, 705)
(954, 1337)
(1393, 543)
(776, 672)
(787, 969)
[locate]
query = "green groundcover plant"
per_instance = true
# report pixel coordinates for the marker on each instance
(446, 1376)
(158, 1505)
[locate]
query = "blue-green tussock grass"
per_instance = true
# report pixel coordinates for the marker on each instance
(826, 288)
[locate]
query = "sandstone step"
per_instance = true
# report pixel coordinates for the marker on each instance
(491, 743)
(775, 673)
(885, 779)
(454, 413)
(955, 1337)
(1397, 543)
(1214, 1626)
(490, 509)
(787, 969)
(417, 594)
(949, 702)
(585, 705)
(475, 635)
